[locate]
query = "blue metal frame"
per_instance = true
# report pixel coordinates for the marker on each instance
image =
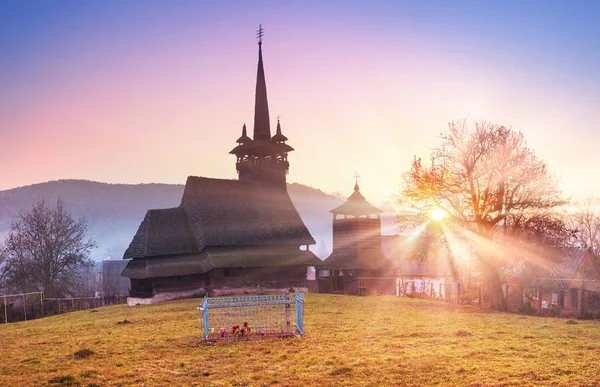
(250, 317)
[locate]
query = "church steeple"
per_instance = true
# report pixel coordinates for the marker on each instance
(262, 125)
(262, 159)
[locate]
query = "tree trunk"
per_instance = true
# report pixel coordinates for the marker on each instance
(494, 288)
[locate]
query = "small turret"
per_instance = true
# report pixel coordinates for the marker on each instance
(278, 137)
(244, 138)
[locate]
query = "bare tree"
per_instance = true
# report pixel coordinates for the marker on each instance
(2, 270)
(586, 220)
(481, 175)
(46, 249)
(87, 282)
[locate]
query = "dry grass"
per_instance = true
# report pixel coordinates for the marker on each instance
(368, 341)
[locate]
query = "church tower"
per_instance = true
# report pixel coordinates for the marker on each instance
(262, 158)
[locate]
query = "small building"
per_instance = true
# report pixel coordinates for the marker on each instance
(227, 236)
(357, 264)
(434, 277)
(570, 289)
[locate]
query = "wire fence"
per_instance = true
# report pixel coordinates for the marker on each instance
(29, 306)
(251, 317)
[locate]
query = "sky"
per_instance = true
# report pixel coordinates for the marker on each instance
(155, 91)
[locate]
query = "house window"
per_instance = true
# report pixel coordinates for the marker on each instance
(323, 273)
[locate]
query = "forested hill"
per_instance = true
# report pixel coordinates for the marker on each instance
(114, 211)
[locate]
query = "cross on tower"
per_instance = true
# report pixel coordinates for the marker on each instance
(356, 176)
(260, 33)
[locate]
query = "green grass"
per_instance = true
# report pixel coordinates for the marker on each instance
(353, 341)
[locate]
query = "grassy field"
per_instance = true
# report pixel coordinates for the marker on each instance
(354, 341)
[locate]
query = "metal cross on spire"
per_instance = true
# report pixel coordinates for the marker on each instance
(260, 33)
(356, 176)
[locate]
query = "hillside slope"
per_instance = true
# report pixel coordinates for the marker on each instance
(114, 211)
(366, 341)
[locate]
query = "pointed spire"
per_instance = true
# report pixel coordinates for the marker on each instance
(278, 137)
(244, 138)
(262, 126)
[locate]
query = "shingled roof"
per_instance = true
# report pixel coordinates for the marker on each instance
(163, 232)
(236, 212)
(356, 205)
(349, 258)
(219, 212)
(215, 257)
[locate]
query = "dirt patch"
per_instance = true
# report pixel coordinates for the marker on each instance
(124, 322)
(66, 380)
(423, 334)
(83, 353)
(463, 334)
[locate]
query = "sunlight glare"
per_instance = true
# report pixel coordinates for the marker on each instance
(437, 214)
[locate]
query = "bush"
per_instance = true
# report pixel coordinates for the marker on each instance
(526, 308)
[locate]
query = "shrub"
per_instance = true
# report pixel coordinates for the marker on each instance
(526, 308)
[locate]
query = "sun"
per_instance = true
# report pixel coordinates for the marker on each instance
(437, 214)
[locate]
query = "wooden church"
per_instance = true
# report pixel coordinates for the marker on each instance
(357, 264)
(228, 235)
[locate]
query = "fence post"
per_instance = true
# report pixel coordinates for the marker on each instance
(206, 318)
(5, 314)
(25, 306)
(42, 302)
(287, 315)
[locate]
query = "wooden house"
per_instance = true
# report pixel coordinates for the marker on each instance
(228, 235)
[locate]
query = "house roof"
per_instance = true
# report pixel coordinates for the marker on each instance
(219, 212)
(564, 271)
(211, 258)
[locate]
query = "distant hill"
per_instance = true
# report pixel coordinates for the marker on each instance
(114, 211)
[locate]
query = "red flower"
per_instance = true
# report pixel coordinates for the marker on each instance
(245, 324)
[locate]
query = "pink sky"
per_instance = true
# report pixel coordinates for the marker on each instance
(355, 91)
